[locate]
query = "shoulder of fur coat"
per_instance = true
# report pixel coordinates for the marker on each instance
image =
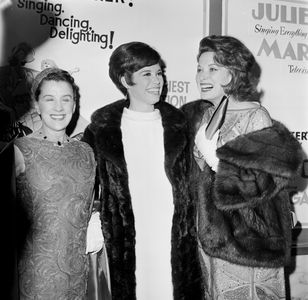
(110, 115)
(273, 150)
(104, 132)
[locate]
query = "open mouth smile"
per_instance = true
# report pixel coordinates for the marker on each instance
(155, 91)
(205, 87)
(57, 117)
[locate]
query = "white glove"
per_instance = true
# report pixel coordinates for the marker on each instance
(208, 148)
(95, 239)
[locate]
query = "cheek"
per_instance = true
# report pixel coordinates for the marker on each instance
(221, 80)
(41, 108)
(221, 90)
(161, 83)
(70, 108)
(227, 79)
(197, 77)
(36, 106)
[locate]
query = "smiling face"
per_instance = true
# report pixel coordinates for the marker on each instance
(56, 105)
(147, 88)
(211, 78)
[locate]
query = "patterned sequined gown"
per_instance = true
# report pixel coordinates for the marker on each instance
(225, 280)
(54, 196)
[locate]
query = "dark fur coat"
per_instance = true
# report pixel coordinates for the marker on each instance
(104, 135)
(244, 208)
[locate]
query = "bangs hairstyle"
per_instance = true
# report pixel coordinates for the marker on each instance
(54, 74)
(232, 54)
(129, 58)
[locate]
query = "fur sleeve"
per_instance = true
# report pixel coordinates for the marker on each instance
(244, 209)
(255, 167)
(256, 237)
(88, 137)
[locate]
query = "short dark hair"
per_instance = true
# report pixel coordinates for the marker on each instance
(232, 54)
(129, 58)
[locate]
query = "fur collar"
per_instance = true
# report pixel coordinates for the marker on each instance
(107, 124)
(273, 150)
(194, 112)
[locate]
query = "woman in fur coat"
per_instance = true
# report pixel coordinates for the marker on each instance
(243, 161)
(148, 219)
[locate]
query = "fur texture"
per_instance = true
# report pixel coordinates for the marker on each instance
(104, 135)
(244, 208)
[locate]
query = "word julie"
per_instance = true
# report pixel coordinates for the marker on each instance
(281, 13)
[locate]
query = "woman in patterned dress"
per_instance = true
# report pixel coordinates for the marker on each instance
(55, 178)
(243, 161)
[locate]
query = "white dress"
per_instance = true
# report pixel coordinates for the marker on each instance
(151, 193)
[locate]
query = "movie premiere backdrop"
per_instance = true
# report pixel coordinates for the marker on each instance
(80, 35)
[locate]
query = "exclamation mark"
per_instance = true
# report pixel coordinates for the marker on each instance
(111, 39)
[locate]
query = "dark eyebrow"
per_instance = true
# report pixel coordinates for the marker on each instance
(145, 71)
(49, 95)
(150, 70)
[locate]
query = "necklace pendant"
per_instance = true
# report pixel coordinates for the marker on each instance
(56, 143)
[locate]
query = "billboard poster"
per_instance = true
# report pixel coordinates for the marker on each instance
(276, 31)
(79, 36)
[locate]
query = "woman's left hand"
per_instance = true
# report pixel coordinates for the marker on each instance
(208, 149)
(95, 239)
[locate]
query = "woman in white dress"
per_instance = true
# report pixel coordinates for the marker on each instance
(148, 219)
